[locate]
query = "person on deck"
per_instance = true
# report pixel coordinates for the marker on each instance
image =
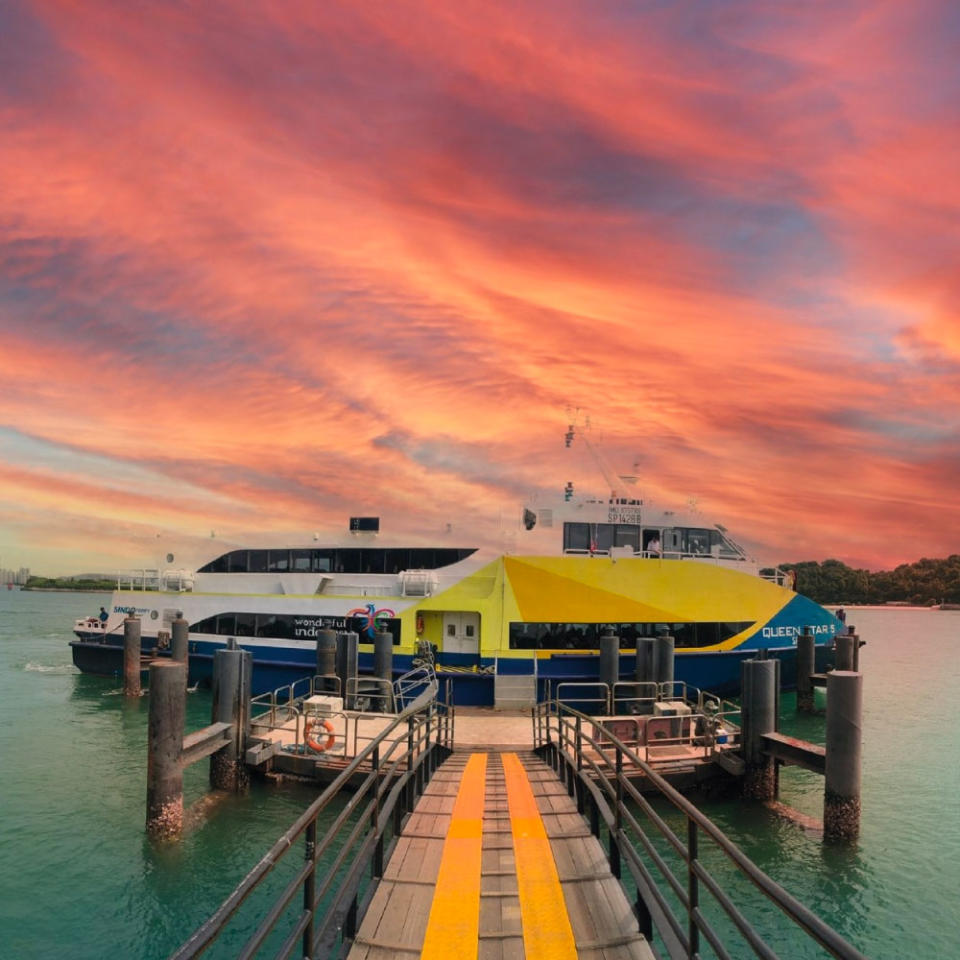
(103, 615)
(653, 547)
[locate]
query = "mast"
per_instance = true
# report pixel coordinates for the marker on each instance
(614, 480)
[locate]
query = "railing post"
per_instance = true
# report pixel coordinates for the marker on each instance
(411, 776)
(618, 818)
(310, 886)
(350, 921)
(644, 920)
(693, 890)
(594, 816)
(375, 816)
(579, 749)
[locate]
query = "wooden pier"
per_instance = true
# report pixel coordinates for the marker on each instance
(495, 862)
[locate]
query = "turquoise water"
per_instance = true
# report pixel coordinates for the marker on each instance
(78, 878)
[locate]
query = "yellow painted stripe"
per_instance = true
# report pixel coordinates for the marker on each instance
(546, 925)
(453, 929)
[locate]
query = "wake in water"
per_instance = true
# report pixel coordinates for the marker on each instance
(62, 669)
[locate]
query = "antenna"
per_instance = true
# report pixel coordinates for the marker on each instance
(614, 480)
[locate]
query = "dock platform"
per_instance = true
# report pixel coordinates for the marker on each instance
(495, 862)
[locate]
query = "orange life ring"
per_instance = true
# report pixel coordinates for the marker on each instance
(310, 742)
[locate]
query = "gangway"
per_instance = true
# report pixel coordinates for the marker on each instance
(491, 853)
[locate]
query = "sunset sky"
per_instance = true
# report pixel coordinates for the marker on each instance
(267, 265)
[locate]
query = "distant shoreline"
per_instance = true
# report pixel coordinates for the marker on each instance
(66, 589)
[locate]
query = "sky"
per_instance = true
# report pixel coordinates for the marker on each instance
(265, 266)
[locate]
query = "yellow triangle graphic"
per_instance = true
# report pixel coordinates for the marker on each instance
(543, 596)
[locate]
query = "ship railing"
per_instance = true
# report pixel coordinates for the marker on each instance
(332, 858)
(686, 898)
(591, 693)
(153, 580)
(634, 696)
(284, 706)
(722, 558)
(367, 693)
(776, 575)
(267, 709)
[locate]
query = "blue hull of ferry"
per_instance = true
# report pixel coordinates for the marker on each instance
(717, 671)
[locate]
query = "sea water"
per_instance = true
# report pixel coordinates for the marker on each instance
(79, 879)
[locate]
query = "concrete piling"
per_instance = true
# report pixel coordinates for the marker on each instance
(383, 664)
(609, 668)
(168, 706)
(806, 667)
(643, 672)
(841, 788)
(131, 656)
(232, 671)
(663, 651)
(383, 655)
(180, 642)
(856, 647)
(347, 655)
(758, 681)
(846, 651)
(326, 652)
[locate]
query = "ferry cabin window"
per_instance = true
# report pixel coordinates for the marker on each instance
(284, 626)
(627, 535)
(672, 541)
(697, 541)
(300, 561)
(335, 560)
(567, 637)
(578, 536)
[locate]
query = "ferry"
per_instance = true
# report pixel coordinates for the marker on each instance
(485, 617)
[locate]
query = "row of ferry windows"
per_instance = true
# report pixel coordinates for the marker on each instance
(283, 626)
(603, 536)
(335, 560)
(586, 636)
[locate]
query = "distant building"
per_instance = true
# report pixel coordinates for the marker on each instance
(20, 576)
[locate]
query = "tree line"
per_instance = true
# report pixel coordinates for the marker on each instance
(925, 582)
(69, 583)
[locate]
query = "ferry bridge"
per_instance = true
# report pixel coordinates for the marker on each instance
(425, 846)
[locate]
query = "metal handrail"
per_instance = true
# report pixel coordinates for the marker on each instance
(387, 795)
(602, 789)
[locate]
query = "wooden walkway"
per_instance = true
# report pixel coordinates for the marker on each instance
(496, 863)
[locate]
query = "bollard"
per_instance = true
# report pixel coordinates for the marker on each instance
(180, 643)
(758, 705)
(806, 667)
(643, 673)
(846, 645)
(663, 650)
(609, 666)
(326, 652)
(232, 669)
(347, 665)
(131, 656)
(168, 707)
(383, 664)
(857, 644)
(841, 786)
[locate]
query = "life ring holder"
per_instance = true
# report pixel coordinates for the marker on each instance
(309, 724)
